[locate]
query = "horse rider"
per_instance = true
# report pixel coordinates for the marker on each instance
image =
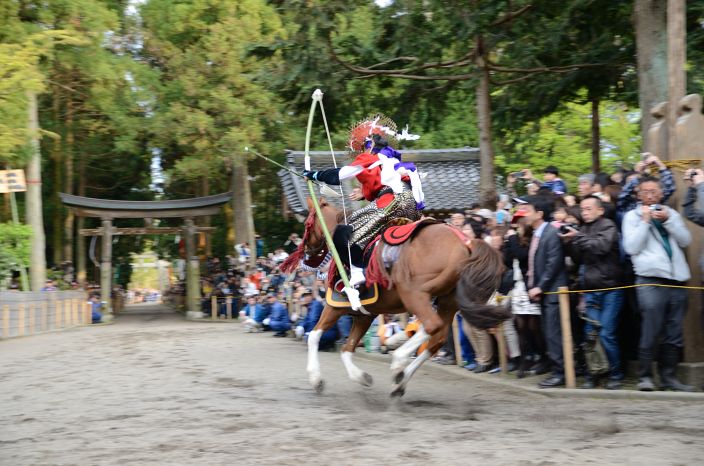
(391, 186)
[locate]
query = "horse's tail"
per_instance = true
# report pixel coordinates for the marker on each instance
(479, 278)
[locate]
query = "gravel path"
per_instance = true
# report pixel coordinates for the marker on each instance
(155, 389)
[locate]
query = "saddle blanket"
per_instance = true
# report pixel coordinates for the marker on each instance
(396, 235)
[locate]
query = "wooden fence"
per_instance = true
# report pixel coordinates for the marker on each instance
(32, 312)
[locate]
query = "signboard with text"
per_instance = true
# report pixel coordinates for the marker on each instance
(12, 181)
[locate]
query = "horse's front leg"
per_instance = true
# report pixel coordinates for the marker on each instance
(328, 318)
(360, 325)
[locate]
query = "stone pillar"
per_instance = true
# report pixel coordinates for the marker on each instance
(689, 135)
(106, 269)
(192, 273)
(656, 142)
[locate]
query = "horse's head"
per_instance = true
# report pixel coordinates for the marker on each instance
(314, 248)
(314, 237)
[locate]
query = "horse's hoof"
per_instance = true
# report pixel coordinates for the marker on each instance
(367, 380)
(397, 378)
(398, 392)
(318, 385)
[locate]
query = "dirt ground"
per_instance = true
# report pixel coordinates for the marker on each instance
(155, 389)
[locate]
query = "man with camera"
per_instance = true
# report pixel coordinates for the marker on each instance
(596, 246)
(627, 199)
(654, 235)
(695, 195)
(551, 180)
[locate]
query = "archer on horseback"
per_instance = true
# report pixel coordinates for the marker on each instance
(391, 186)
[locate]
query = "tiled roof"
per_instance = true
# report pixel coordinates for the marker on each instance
(451, 182)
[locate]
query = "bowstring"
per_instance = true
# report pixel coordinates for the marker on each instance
(334, 161)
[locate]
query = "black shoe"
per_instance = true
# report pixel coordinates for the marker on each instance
(588, 384)
(513, 364)
(541, 367)
(280, 334)
(613, 385)
(481, 368)
(552, 381)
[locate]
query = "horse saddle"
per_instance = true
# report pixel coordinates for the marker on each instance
(335, 297)
(399, 234)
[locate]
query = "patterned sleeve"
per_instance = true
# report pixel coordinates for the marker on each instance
(668, 184)
(625, 199)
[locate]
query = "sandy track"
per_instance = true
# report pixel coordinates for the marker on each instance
(154, 389)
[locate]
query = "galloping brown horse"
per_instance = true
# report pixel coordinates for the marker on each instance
(435, 275)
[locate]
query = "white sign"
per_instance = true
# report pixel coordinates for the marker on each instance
(12, 181)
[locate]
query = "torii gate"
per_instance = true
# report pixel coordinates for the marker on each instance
(107, 210)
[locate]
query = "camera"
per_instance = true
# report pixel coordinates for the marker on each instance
(566, 228)
(519, 174)
(655, 207)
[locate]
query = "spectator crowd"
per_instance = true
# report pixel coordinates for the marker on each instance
(616, 230)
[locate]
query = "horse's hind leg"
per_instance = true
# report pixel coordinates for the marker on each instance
(360, 325)
(436, 341)
(328, 318)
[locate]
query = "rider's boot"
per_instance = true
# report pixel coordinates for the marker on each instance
(356, 276)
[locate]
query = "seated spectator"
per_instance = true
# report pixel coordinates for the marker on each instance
(596, 246)
(95, 307)
(655, 235)
(314, 309)
(254, 315)
(49, 286)
(278, 316)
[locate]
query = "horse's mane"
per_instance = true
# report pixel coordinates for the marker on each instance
(292, 261)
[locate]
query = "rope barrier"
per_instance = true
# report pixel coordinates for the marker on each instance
(500, 298)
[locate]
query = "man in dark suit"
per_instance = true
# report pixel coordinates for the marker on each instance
(546, 273)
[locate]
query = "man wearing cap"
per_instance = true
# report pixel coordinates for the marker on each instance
(279, 320)
(314, 311)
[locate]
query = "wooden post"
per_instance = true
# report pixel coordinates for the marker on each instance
(501, 342)
(6, 321)
(565, 323)
(228, 307)
(20, 320)
(213, 307)
(74, 308)
(87, 314)
(57, 314)
(45, 322)
(32, 320)
(67, 312)
(456, 338)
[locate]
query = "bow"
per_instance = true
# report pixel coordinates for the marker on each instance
(352, 293)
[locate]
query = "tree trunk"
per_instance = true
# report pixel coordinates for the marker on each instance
(35, 218)
(676, 72)
(242, 205)
(487, 183)
(650, 17)
(596, 136)
(56, 158)
(68, 177)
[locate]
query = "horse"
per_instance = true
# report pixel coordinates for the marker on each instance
(436, 274)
